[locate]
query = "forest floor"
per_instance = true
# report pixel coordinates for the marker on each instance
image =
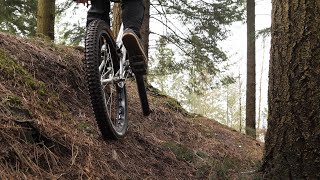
(47, 129)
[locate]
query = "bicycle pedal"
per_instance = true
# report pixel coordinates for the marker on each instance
(137, 64)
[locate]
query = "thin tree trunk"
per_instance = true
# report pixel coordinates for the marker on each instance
(292, 149)
(227, 106)
(251, 72)
(116, 19)
(240, 99)
(45, 18)
(260, 89)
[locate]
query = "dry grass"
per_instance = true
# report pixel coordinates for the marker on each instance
(47, 130)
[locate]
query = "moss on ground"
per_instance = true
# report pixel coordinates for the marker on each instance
(15, 105)
(181, 152)
(10, 68)
(13, 101)
(217, 168)
(206, 165)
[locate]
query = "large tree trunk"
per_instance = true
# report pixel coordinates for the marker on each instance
(251, 71)
(145, 31)
(45, 18)
(293, 136)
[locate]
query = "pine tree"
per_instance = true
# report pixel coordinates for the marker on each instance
(292, 149)
(195, 28)
(18, 16)
(251, 71)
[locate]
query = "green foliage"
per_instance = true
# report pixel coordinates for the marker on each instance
(196, 28)
(18, 16)
(15, 105)
(13, 101)
(83, 125)
(164, 62)
(73, 34)
(70, 32)
(221, 103)
(223, 166)
(62, 7)
(264, 32)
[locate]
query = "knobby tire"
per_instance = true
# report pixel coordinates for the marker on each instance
(99, 95)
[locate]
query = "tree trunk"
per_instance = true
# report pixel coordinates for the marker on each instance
(145, 31)
(227, 106)
(260, 90)
(116, 19)
(45, 18)
(251, 72)
(292, 148)
(240, 99)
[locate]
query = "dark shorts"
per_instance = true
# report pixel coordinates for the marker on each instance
(132, 13)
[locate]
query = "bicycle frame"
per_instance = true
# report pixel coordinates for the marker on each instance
(122, 72)
(123, 57)
(107, 68)
(139, 78)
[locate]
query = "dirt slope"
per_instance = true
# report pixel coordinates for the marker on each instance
(47, 130)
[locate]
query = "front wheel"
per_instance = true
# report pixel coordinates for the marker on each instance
(107, 93)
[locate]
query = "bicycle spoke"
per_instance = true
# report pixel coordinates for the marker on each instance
(105, 73)
(102, 65)
(110, 104)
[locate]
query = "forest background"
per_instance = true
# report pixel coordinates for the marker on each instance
(205, 83)
(196, 57)
(224, 103)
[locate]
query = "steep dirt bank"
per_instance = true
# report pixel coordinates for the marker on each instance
(47, 129)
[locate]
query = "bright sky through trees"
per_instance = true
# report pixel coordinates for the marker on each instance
(235, 45)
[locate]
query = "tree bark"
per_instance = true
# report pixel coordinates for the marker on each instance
(145, 31)
(116, 19)
(292, 148)
(251, 72)
(45, 18)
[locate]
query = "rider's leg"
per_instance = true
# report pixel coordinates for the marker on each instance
(99, 9)
(132, 14)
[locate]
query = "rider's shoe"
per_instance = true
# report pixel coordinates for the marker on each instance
(137, 56)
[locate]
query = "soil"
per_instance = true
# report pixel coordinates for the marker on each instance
(47, 129)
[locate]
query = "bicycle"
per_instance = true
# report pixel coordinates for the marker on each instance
(107, 69)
